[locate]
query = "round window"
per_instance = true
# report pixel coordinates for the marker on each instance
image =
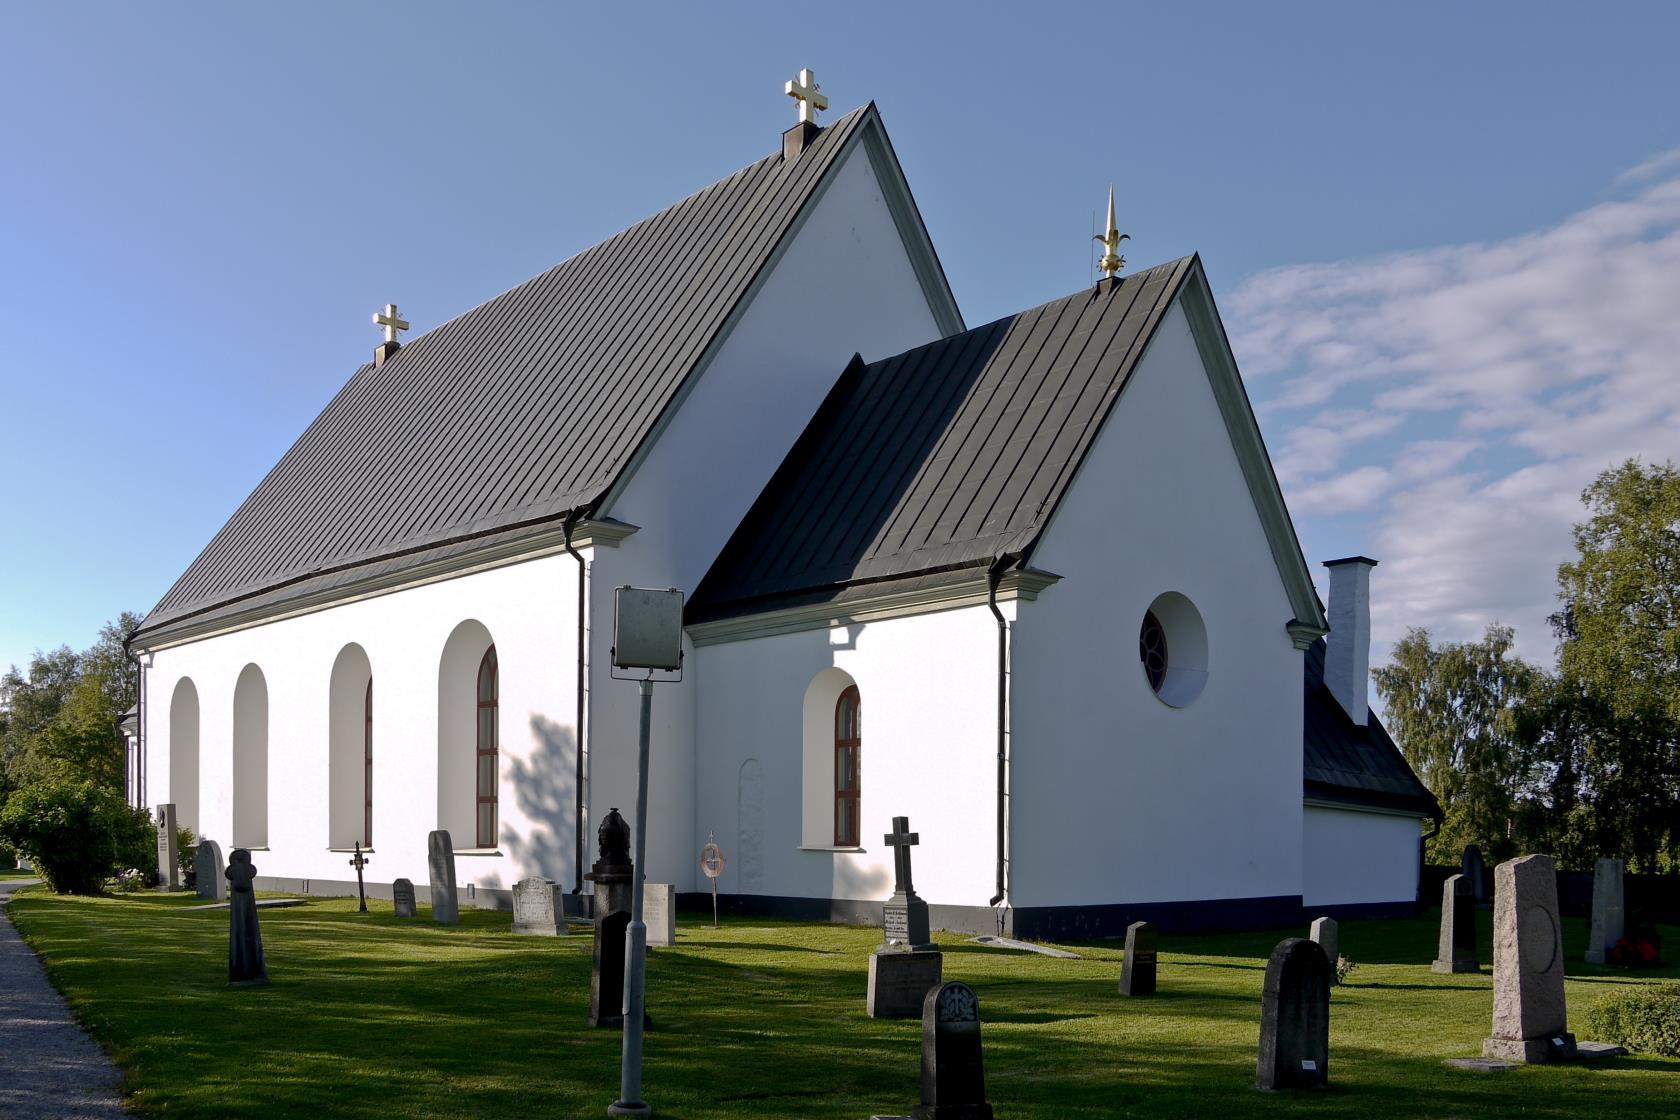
(1172, 647)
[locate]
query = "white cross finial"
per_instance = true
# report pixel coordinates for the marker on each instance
(808, 93)
(391, 321)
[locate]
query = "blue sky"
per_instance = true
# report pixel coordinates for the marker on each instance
(1444, 236)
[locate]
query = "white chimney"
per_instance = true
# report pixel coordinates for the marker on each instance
(1347, 657)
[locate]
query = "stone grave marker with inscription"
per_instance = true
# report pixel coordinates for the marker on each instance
(953, 1067)
(906, 967)
(1137, 971)
(1295, 1018)
(168, 852)
(1473, 868)
(440, 861)
(1530, 1019)
(402, 898)
(246, 965)
(208, 871)
(1327, 933)
(1457, 949)
(659, 913)
(1609, 912)
(537, 907)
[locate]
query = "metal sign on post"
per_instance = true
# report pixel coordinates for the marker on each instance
(711, 865)
(647, 640)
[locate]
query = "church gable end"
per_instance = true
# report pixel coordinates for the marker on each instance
(526, 410)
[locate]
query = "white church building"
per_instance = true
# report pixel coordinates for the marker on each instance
(1031, 584)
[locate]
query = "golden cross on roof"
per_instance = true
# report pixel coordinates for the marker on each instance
(391, 321)
(808, 93)
(1112, 262)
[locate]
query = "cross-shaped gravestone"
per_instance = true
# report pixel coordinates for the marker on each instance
(359, 861)
(808, 93)
(391, 321)
(901, 840)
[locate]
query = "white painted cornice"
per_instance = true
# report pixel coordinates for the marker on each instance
(969, 591)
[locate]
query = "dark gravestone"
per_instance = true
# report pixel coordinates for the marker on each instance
(906, 967)
(245, 952)
(1295, 1017)
(1474, 869)
(1137, 972)
(612, 875)
(1457, 949)
(446, 902)
(209, 872)
(953, 1074)
(402, 898)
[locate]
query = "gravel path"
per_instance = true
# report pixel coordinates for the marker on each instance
(51, 1068)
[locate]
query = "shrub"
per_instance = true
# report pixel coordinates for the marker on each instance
(76, 834)
(1642, 1017)
(186, 850)
(8, 858)
(1344, 969)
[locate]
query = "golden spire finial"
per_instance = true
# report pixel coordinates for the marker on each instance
(1112, 262)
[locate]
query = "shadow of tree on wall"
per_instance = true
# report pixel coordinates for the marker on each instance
(545, 788)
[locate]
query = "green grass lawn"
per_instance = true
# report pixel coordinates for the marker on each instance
(14, 873)
(370, 1017)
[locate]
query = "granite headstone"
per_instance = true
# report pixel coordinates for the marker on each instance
(659, 913)
(246, 965)
(1456, 951)
(446, 901)
(536, 907)
(1137, 971)
(168, 850)
(906, 967)
(1530, 1019)
(1609, 911)
(209, 871)
(1327, 933)
(402, 898)
(1295, 1018)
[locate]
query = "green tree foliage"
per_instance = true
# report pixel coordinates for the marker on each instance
(76, 834)
(1458, 711)
(1619, 658)
(60, 721)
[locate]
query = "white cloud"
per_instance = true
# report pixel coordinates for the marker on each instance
(1459, 398)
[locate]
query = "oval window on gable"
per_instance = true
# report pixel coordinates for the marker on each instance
(1173, 649)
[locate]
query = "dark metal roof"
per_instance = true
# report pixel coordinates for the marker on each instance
(1351, 764)
(518, 412)
(945, 456)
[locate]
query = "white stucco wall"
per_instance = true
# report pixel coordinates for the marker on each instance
(1356, 858)
(927, 686)
(845, 285)
(528, 608)
(1118, 797)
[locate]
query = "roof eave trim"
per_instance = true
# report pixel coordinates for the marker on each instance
(547, 541)
(1208, 330)
(970, 591)
(1353, 806)
(1304, 634)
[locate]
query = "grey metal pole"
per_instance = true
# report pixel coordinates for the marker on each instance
(630, 1101)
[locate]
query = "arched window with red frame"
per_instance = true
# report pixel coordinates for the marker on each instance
(848, 742)
(488, 752)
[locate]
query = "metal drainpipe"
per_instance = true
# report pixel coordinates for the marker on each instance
(577, 814)
(1423, 842)
(994, 575)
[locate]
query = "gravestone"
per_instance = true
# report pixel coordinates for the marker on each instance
(446, 901)
(208, 871)
(1474, 869)
(906, 967)
(1609, 913)
(245, 952)
(1457, 949)
(612, 870)
(612, 875)
(168, 851)
(536, 907)
(1327, 933)
(359, 861)
(953, 1073)
(1137, 971)
(1295, 1018)
(1530, 1021)
(402, 898)
(659, 913)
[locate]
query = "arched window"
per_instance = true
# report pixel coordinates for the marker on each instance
(250, 759)
(487, 749)
(848, 739)
(367, 767)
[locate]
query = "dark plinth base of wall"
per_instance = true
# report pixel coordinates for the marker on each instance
(481, 898)
(1047, 923)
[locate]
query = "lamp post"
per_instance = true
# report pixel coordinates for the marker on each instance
(647, 640)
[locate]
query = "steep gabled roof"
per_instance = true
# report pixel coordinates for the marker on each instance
(1352, 765)
(521, 411)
